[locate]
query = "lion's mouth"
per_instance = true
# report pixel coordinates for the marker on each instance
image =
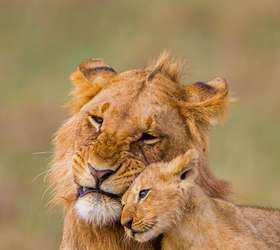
(82, 191)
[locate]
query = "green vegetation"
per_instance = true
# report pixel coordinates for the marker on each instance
(43, 41)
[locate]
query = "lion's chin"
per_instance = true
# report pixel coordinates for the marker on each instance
(98, 209)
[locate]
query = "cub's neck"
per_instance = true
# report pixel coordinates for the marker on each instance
(212, 224)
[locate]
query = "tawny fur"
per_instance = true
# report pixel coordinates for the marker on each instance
(188, 218)
(131, 103)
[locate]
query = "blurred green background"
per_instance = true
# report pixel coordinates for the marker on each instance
(41, 42)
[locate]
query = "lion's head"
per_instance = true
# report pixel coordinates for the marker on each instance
(122, 122)
(159, 197)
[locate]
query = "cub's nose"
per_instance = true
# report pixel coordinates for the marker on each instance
(99, 175)
(127, 223)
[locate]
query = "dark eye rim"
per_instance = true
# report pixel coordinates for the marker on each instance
(147, 136)
(97, 119)
(143, 193)
(149, 139)
(185, 174)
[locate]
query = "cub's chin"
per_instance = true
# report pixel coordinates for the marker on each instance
(145, 236)
(98, 209)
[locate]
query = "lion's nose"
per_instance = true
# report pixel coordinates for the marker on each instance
(99, 175)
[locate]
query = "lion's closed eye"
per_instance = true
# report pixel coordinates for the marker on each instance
(149, 139)
(95, 121)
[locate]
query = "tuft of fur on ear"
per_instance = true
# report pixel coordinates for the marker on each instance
(167, 66)
(89, 78)
(83, 92)
(206, 104)
(209, 111)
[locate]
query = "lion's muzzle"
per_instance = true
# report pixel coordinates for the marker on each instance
(99, 175)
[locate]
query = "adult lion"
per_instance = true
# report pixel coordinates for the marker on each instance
(121, 122)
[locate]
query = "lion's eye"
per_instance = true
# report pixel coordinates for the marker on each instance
(96, 121)
(149, 139)
(185, 174)
(143, 193)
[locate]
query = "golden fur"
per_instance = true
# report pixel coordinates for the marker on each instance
(120, 123)
(175, 206)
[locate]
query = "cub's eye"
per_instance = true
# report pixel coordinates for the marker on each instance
(143, 193)
(185, 174)
(96, 121)
(149, 139)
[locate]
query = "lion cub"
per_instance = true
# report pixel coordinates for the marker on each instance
(166, 199)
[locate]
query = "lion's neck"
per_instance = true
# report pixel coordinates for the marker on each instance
(213, 224)
(80, 235)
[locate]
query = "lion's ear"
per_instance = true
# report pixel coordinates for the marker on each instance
(206, 102)
(89, 78)
(201, 91)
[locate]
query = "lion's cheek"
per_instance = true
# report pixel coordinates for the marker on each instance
(115, 185)
(98, 209)
(122, 179)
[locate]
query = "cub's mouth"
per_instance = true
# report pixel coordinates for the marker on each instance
(147, 229)
(82, 191)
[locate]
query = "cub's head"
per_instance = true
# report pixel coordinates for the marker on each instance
(122, 122)
(159, 196)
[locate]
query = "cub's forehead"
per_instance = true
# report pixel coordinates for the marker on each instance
(154, 176)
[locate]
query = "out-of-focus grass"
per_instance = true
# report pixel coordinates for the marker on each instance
(43, 41)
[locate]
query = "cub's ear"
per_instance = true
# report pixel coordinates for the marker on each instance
(184, 162)
(205, 104)
(89, 78)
